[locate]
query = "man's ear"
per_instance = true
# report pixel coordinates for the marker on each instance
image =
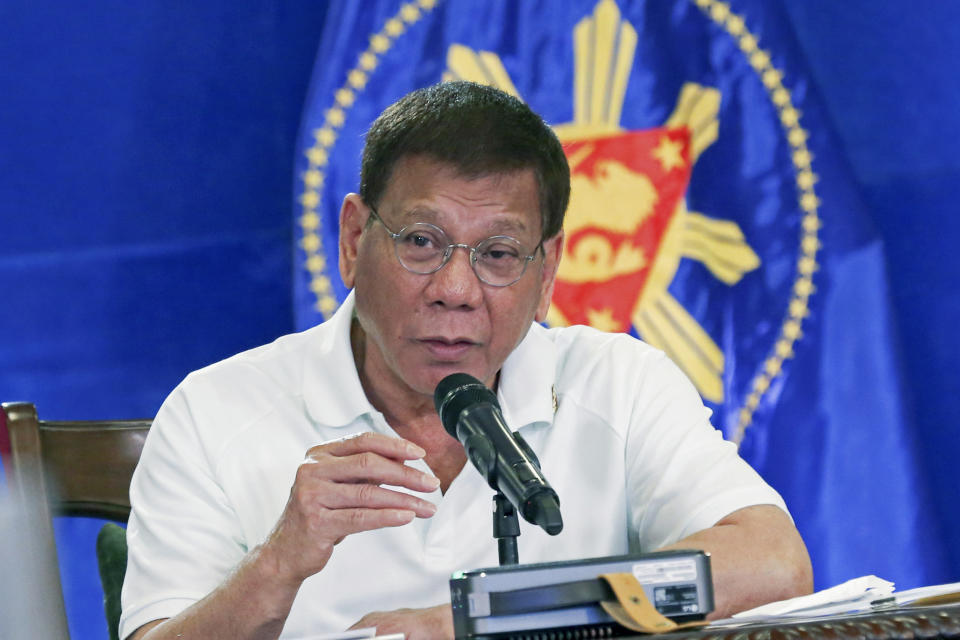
(353, 220)
(552, 250)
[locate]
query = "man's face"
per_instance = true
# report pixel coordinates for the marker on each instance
(420, 328)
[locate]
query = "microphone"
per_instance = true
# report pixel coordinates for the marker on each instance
(470, 413)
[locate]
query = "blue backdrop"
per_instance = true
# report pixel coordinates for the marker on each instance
(147, 158)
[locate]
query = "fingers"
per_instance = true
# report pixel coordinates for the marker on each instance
(386, 446)
(349, 521)
(372, 468)
(370, 496)
(415, 624)
(339, 490)
(353, 479)
(369, 458)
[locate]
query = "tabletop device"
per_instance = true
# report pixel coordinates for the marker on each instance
(534, 600)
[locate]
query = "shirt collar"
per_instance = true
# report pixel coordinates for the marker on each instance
(526, 392)
(336, 398)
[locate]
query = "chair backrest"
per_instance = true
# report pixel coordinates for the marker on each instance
(82, 467)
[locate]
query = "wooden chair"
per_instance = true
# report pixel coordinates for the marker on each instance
(83, 468)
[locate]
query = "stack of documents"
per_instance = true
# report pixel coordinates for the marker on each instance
(867, 593)
(858, 594)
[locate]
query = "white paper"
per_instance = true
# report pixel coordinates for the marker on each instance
(910, 595)
(366, 633)
(852, 595)
(353, 634)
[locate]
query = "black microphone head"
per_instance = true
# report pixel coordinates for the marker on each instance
(455, 393)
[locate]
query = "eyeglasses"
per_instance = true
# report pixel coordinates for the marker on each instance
(424, 248)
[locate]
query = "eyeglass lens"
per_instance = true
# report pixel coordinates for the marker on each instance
(424, 248)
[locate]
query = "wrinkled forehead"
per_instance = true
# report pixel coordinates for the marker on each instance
(423, 189)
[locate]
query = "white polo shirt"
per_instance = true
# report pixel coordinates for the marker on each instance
(628, 448)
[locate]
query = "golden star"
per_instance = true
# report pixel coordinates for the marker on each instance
(345, 97)
(310, 242)
(313, 179)
(326, 305)
(394, 27)
(310, 199)
(309, 221)
(669, 153)
(325, 136)
(368, 61)
(410, 12)
(320, 284)
(317, 157)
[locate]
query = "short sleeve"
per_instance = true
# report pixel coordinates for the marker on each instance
(183, 536)
(682, 476)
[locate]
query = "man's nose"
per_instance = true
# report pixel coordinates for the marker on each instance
(456, 284)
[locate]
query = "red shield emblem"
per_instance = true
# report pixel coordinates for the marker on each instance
(625, 191)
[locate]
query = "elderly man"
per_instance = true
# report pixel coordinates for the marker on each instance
(451, 248)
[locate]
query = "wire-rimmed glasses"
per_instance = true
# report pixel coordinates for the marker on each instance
(425, 248)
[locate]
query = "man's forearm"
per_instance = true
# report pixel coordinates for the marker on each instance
(338, 491)
(252, 603)
(756, 556)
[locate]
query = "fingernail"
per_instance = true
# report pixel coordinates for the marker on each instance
(403, 516)
(433, 481)
(430, 507)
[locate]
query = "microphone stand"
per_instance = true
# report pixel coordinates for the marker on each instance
(506, 528)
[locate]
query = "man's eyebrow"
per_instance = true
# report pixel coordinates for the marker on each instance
(419, 214)
(498, 226)
(509, 226)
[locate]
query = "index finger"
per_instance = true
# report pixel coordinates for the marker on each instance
(387, 446)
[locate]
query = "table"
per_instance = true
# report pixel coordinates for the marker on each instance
(941, 621)
(909, 622)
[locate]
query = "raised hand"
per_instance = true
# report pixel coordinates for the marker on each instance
(337, 492)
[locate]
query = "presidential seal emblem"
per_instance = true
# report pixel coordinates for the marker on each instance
(631, 228)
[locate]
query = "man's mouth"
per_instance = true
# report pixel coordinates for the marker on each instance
(447, 348)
